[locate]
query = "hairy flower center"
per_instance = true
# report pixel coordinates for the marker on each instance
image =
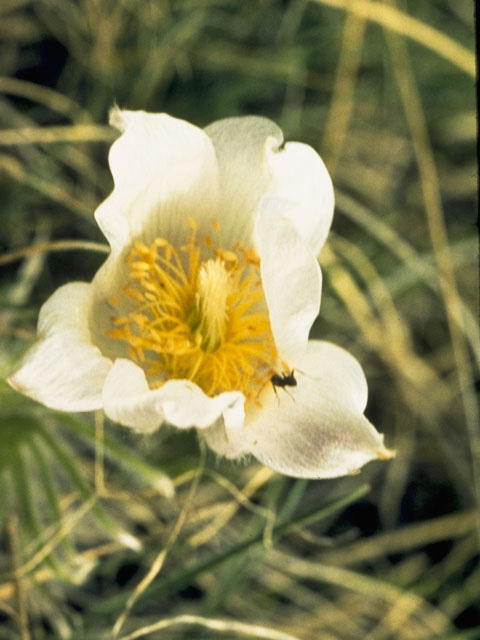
(196, 312)
(214, 286)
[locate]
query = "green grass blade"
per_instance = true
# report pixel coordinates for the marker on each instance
(181, 579)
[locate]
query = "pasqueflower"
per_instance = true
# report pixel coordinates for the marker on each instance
(200, 316)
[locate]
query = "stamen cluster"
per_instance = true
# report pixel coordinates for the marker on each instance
(197, 312)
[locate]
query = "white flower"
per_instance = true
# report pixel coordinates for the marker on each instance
(210, 289)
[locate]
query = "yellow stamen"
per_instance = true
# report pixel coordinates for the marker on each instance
(198, 313)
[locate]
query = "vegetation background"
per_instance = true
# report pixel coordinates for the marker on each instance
(109, 535)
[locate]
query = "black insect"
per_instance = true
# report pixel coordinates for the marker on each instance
(283, 380)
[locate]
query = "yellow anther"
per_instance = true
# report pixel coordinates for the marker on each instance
(227, 256)
(198, 313)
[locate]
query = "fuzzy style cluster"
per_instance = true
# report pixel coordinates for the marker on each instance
(201, 314)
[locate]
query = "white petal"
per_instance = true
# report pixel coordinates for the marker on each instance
(313, 430)
(128, 400)
(300, 177)
(217, 435)
(311, 434)
(217, 439)
(292, 281)
(253, 163)
(64, 370)
(164, 170)
(234, 416)
(336, 370)
(242, 146)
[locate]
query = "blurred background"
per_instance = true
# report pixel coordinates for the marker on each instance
(108, 534)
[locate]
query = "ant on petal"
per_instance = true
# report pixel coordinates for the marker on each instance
(283, 380)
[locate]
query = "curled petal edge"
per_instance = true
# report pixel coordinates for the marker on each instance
(127, 399)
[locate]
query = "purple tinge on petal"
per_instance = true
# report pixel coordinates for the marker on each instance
(307, 434)
(315, 429)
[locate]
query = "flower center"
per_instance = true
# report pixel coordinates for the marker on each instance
(196, 312)
(209, 317)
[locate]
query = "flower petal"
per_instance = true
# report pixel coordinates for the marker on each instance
(320, 440)
(300, 176)
(292, 281)
(64, 370)
(128, 400)
(164, 170)
(313, 430)
(241, 145)
(309, 435)
(337, 371)
(254, 162)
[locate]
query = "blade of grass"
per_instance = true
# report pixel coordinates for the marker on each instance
(14, 169)
(403, 539)
(241, 498)
(342, 101)
(404, 251)
(48, 488)
(20, 590)
(52, 247)
(235, 573)
(417, 124)
(159, 561)
(54, 100)
(405, 25)
(23, 479)
(180, 579)
(239, 628)
(121, 454)
(55, 135)
(292, 500)
(85, 490)
(378, 591)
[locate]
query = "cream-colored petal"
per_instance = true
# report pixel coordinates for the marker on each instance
(254, 163)
(164, 170)
(242, 146)
(315, 429)
(300, 177)
(217, 440)
(309, 433)
(337, 371)
(128, 400)
(64, 370)
(291, 279)
(218, 434)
